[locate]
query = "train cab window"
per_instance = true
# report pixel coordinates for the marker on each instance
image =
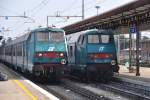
(100, 38)
(105, 38)
(43, 36)
(57, 36)
(93, 38)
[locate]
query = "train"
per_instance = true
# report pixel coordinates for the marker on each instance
(41, 53)
(92, 55)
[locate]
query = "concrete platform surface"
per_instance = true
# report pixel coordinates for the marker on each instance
(144, 74)
(19, 88)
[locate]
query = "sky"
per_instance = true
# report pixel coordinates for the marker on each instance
(38, 10)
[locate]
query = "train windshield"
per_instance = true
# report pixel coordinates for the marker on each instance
(57, 37)
(43, 36)
(50, 36)
(99, 38)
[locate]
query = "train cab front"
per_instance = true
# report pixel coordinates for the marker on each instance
(50, 55)
(49, 63)
(101, 55)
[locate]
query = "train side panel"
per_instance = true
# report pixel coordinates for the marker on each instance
(29, 53)
(19, 55)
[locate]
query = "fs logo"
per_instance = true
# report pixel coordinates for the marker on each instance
(101, 49)
(51, 48)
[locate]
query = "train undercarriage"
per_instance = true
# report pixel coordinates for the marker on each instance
(93, 72)
(49, 72)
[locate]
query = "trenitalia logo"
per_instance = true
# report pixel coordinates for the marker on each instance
(101, 49)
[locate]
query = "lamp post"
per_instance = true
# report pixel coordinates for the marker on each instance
(97, 7)
(82, 9)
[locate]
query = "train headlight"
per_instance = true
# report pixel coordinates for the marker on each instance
(40, 54)
(61, 54)
(63, 61)
(113, 62)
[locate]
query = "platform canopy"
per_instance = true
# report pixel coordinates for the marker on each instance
(137, 12)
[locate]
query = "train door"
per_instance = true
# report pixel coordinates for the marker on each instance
(25, 56)
(13, 62)
(5, 53)
(30, 52)
(81, 50)
(71, 54)
(11, 54)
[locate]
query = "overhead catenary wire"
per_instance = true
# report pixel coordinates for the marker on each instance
(34, 11)
(86, 9)
(91, 7)
(69, 7)
(76, 7)
(8, 10)
(38, 7)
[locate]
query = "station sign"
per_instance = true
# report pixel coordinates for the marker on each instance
(132, 29)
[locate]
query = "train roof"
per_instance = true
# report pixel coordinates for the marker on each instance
(72, 38)
(18, 40)
(25, 37)
(47, 29)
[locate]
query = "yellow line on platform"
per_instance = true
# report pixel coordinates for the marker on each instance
(25, 90)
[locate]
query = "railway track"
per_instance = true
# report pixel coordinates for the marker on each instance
(68, 90)
(64, 93)
(82, 91)
(121, 87)
(125, 88)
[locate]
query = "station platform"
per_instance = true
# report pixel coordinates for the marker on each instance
(144, 74)
(20, 88)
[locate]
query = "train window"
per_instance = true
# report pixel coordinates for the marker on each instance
(13, 50)
(43, 36)
(68, 39)
(93, 39)
(19, 50)
(105, 39)
(57, 37)
(71, 51)
(80, 39)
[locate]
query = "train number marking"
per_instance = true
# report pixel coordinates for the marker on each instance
(101, 49)
(51, 49)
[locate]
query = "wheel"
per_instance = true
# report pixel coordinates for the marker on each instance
(16, 68)
(22, 70)
(107, 76)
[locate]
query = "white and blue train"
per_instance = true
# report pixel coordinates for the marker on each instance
(92, 55)
(41, 53)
